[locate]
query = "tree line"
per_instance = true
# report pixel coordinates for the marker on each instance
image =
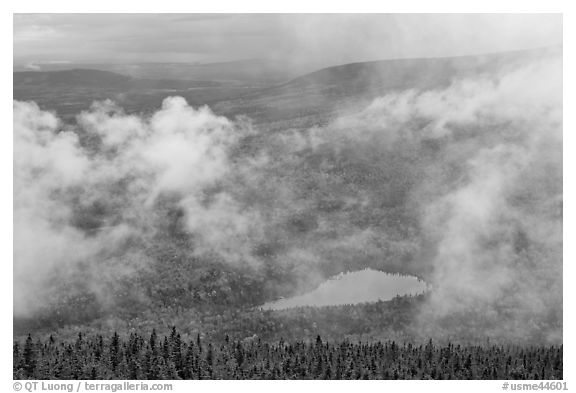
(171, 357)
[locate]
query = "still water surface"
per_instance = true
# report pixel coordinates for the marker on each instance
(350, 288)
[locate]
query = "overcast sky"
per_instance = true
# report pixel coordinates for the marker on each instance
(292, 38)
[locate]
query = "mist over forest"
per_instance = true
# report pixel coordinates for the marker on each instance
(455, 179)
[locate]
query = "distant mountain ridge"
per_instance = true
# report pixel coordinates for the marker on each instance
(98, 79)
(233, 88)
(248, 71)
(414, 72)
(312, 98)
(359, 76)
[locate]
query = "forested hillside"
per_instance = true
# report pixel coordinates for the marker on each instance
(175, 215)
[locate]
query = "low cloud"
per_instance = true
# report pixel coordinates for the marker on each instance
(461, 185)
(490, 197)
(77, 203)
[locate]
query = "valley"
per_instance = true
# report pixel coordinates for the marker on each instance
(221, 203)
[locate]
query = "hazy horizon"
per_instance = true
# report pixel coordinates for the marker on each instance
(294, 40)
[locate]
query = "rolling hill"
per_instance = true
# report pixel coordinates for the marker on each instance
(316, 96)
(255, 88)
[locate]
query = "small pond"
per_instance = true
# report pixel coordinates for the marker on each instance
(350, 288)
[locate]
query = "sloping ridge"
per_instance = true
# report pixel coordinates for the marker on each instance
(314, 97)
(412, 73)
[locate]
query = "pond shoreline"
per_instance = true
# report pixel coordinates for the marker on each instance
(363, 286)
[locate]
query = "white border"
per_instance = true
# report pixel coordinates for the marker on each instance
(244, 6)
